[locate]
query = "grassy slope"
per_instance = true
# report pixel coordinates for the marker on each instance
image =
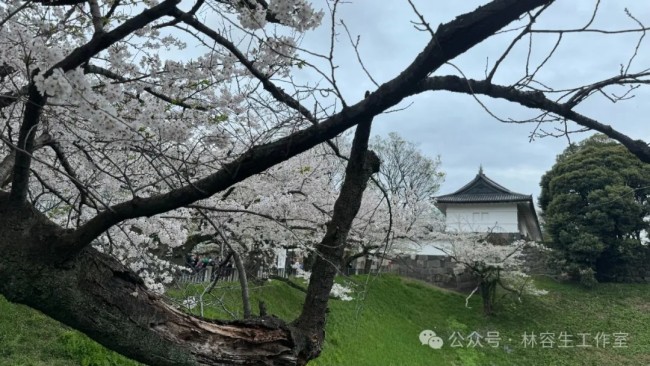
(383, 329)
(28, 337)
(386, 330)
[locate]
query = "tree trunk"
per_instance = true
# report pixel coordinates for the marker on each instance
(367, 264)
(95, 294)
(92, 292)
(243, 283)
(330, 252)
(488, 293)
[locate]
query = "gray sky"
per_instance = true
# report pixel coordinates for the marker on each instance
(455, 125)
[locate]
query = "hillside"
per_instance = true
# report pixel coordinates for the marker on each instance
(384, 327)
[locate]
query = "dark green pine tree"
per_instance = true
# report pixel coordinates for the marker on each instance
(595, 201)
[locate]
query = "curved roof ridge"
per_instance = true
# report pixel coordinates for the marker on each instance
(497, 185)
(481, 185)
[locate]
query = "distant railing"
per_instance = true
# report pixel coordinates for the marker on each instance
(227, 274)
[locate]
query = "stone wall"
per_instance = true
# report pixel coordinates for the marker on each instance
(440, 270)
(435, 269)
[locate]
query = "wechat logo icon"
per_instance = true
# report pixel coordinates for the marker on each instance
(429, 337)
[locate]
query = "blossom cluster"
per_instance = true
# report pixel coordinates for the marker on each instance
(476, 253)
(339, 291)
(298, 14)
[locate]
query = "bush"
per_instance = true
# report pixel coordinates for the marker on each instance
(587, 277)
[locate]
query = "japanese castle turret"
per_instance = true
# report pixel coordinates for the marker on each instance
(482, 205)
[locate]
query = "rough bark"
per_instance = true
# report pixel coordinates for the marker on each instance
(488, 295)
(23, 154)
(95, 294)
(243, 282)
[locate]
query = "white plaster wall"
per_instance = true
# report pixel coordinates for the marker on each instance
(437, 247)
(500, 218)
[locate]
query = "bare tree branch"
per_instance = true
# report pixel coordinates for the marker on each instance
(536, 100)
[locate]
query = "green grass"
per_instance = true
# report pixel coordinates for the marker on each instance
(384, 329)
(29, 338)
(382, 325)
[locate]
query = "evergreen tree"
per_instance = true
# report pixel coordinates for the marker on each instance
(595, 200)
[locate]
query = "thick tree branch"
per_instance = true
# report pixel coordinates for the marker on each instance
(452, 39)
(23, 155)
(535, 100)
(59, 2)
(118, 310)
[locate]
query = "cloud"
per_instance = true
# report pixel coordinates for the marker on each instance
(456, 126)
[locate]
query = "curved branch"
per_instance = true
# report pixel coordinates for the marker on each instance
(279, 94)
(536, 100)
(452, 39)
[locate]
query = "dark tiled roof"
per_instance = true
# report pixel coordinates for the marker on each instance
(477, 198)
(483, 189)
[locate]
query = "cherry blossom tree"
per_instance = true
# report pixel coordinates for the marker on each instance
(404, 214)
(109, 124)
(494, 260)
(288, 207)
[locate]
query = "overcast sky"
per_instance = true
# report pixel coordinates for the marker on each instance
(455, 126)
